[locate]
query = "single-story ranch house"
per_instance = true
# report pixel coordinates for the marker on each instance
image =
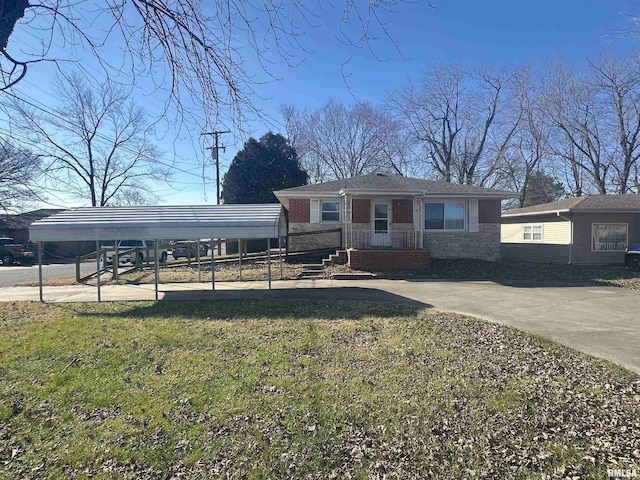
(407, 219)
(587, 230)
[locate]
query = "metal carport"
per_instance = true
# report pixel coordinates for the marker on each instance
(243, 222)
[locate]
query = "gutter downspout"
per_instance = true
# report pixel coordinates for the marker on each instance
(570, 236)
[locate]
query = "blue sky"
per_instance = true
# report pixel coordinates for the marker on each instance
(471, 32)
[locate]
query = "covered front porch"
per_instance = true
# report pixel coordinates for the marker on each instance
(382, 223)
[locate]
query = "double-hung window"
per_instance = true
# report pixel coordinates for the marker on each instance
(532, 233)
(609, 237)
(330, 212)
(444, 216)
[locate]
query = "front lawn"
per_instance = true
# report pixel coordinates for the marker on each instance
(286, 389)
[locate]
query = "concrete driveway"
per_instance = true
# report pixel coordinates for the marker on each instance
(602, 321)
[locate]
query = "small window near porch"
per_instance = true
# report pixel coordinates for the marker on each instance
(330, 212)
(609, 237)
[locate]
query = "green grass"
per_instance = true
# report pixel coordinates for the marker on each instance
(285, 389)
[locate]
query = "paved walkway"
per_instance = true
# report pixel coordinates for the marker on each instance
(602, 321)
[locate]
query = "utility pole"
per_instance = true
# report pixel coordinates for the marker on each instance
(216, 158)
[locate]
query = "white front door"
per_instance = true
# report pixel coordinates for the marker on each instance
(381, 224)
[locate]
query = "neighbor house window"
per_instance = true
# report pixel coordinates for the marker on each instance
(609, 237)
(532, 233)
(330, 212)
(444, 216)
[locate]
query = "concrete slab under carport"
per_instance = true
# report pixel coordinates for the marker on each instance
(601, 321)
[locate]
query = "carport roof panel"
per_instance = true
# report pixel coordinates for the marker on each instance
(162, 222)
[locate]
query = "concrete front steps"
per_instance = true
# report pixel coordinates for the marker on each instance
(338, 258)
(310, 271)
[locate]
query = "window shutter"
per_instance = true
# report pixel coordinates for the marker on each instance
(473, 215)
(314, 213)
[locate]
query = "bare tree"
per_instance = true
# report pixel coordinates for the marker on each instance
(459, 119)
(574, 109)
(19, 170)
(196, 52)
(94, 144)
(529, 146)
(618, 81)
(336, 141)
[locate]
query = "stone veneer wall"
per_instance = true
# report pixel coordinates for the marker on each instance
(483, 245)
(313, 242)
(388, 260)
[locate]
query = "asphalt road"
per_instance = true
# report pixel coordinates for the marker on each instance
(16, 274)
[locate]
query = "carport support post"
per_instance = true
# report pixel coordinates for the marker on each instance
(198, 258)
(40, 270)
(98, 267)
(269, 262)
(213, 266)
(280, 255)
(240, 258)
(157, 269)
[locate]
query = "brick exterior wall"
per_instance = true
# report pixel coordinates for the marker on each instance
(402, 211)
(388, 260)
(489, 211)
(299, 210)
(484, 245)
(361, 210)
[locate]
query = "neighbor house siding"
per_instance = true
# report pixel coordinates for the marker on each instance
(582, 236)
(536, 252)
(556, 231)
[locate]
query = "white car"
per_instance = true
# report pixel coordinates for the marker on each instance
(136, 251)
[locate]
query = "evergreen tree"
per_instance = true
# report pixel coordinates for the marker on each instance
(260, 168)
(542, 188)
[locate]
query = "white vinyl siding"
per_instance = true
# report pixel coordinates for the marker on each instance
(556, 233)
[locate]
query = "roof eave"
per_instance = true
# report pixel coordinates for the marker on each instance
(529, 214)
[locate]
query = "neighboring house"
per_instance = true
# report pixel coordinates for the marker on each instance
(587, 230)
(17, 227)
(387, 212)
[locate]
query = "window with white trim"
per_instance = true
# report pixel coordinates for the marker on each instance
(330, 212)
(444, 216)
(609, 237)
(532, 233)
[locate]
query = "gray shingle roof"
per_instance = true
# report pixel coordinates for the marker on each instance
(390, 182)
(586, 203)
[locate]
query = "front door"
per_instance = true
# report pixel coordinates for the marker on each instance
(381, 224)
